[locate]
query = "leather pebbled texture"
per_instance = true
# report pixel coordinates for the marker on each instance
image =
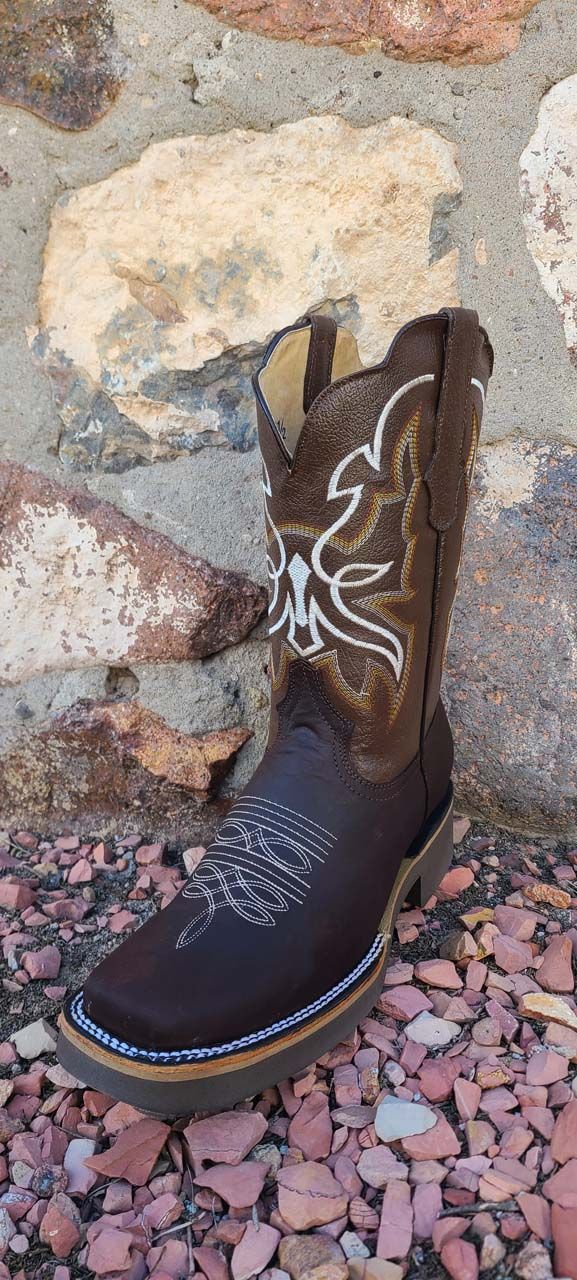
(361, 585)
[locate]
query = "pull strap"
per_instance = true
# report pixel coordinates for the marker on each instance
(445, 473)
(322, 342)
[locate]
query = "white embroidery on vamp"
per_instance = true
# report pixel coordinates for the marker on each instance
(258, 866)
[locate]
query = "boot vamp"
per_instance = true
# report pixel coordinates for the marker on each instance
(284, 905)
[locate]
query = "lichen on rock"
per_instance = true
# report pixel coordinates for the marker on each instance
(163, 283)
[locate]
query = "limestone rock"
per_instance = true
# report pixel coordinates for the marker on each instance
(90, 587)
(163, 283)
(455, 30)
(548, 177)
(515, 611)
(60, 59)
(97, 760)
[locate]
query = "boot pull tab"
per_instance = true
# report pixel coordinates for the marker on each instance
(322, 342)
(446, 470)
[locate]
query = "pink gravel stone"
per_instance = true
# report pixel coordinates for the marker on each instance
(122, 921)
(310, 1129)
(563, 1227)
(225, 1138)
(309, 1196)
(427, 1205)
(555, 974)
(239, 1185)
(467, 1098)
(109, 1251)
(454, 883)
(564, 1140)
(510, 954)
(448, 1229)
(60, 1226)
(546, 1068)
(436, 1144)
(536, 1213)
(42, 964)
(562, 1186)
(437, 1077)
(404, 1003)
(81, 872)
(378, 1166)
(438, 973)
(459, 1258)
(498, 1100)
(15, 894)
(255, 1250)
(516, 922)
(80, 1177)
(396, 1225)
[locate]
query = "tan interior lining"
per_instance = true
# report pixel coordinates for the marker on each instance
(282, 379)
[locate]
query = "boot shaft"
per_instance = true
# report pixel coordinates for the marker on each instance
(366, 477)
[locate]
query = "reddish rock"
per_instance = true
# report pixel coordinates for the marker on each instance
(239, 1185)
(255, 1250)
(536, 1213)
(515, 922)
(60, 59)
(309, 1196)
(467, 1098)
(404, 1003)
(109, 1251)
(42, 964)
(510, 954)
(138, 596)
(455, 31)
(310, 1129)
(459, 1258)
(378, 1166)
(437, 1077)
(60, 1226)
(396, 1225)
(455, 882)
(126, 759)
(548, 894)
(555, 974)
(81, 872)
(134, 1153)
(15, 894)
(561, 1188)
(546, 1067)
(225, 1138)
(310, 1255)
(564, 1140)
(427, 1205)
(563, 1227)
(438, 1143)
(438, 973)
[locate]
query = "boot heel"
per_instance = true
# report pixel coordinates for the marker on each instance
(433, 862)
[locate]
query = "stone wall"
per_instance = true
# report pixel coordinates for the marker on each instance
(177, 182)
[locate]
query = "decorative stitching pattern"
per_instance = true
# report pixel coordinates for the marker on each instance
(244, 1042)
(258, 865)
(305, 625)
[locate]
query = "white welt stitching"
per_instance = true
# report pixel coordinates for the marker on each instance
(244, 1042)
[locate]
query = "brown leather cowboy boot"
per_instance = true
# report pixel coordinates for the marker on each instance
(278, 943)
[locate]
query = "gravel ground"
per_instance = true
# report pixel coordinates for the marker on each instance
(441, 1139)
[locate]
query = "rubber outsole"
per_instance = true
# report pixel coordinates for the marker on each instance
(217, 1083)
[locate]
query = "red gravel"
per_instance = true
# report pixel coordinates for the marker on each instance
(466, 1070)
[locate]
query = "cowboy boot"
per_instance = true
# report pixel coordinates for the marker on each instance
(277, 945)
